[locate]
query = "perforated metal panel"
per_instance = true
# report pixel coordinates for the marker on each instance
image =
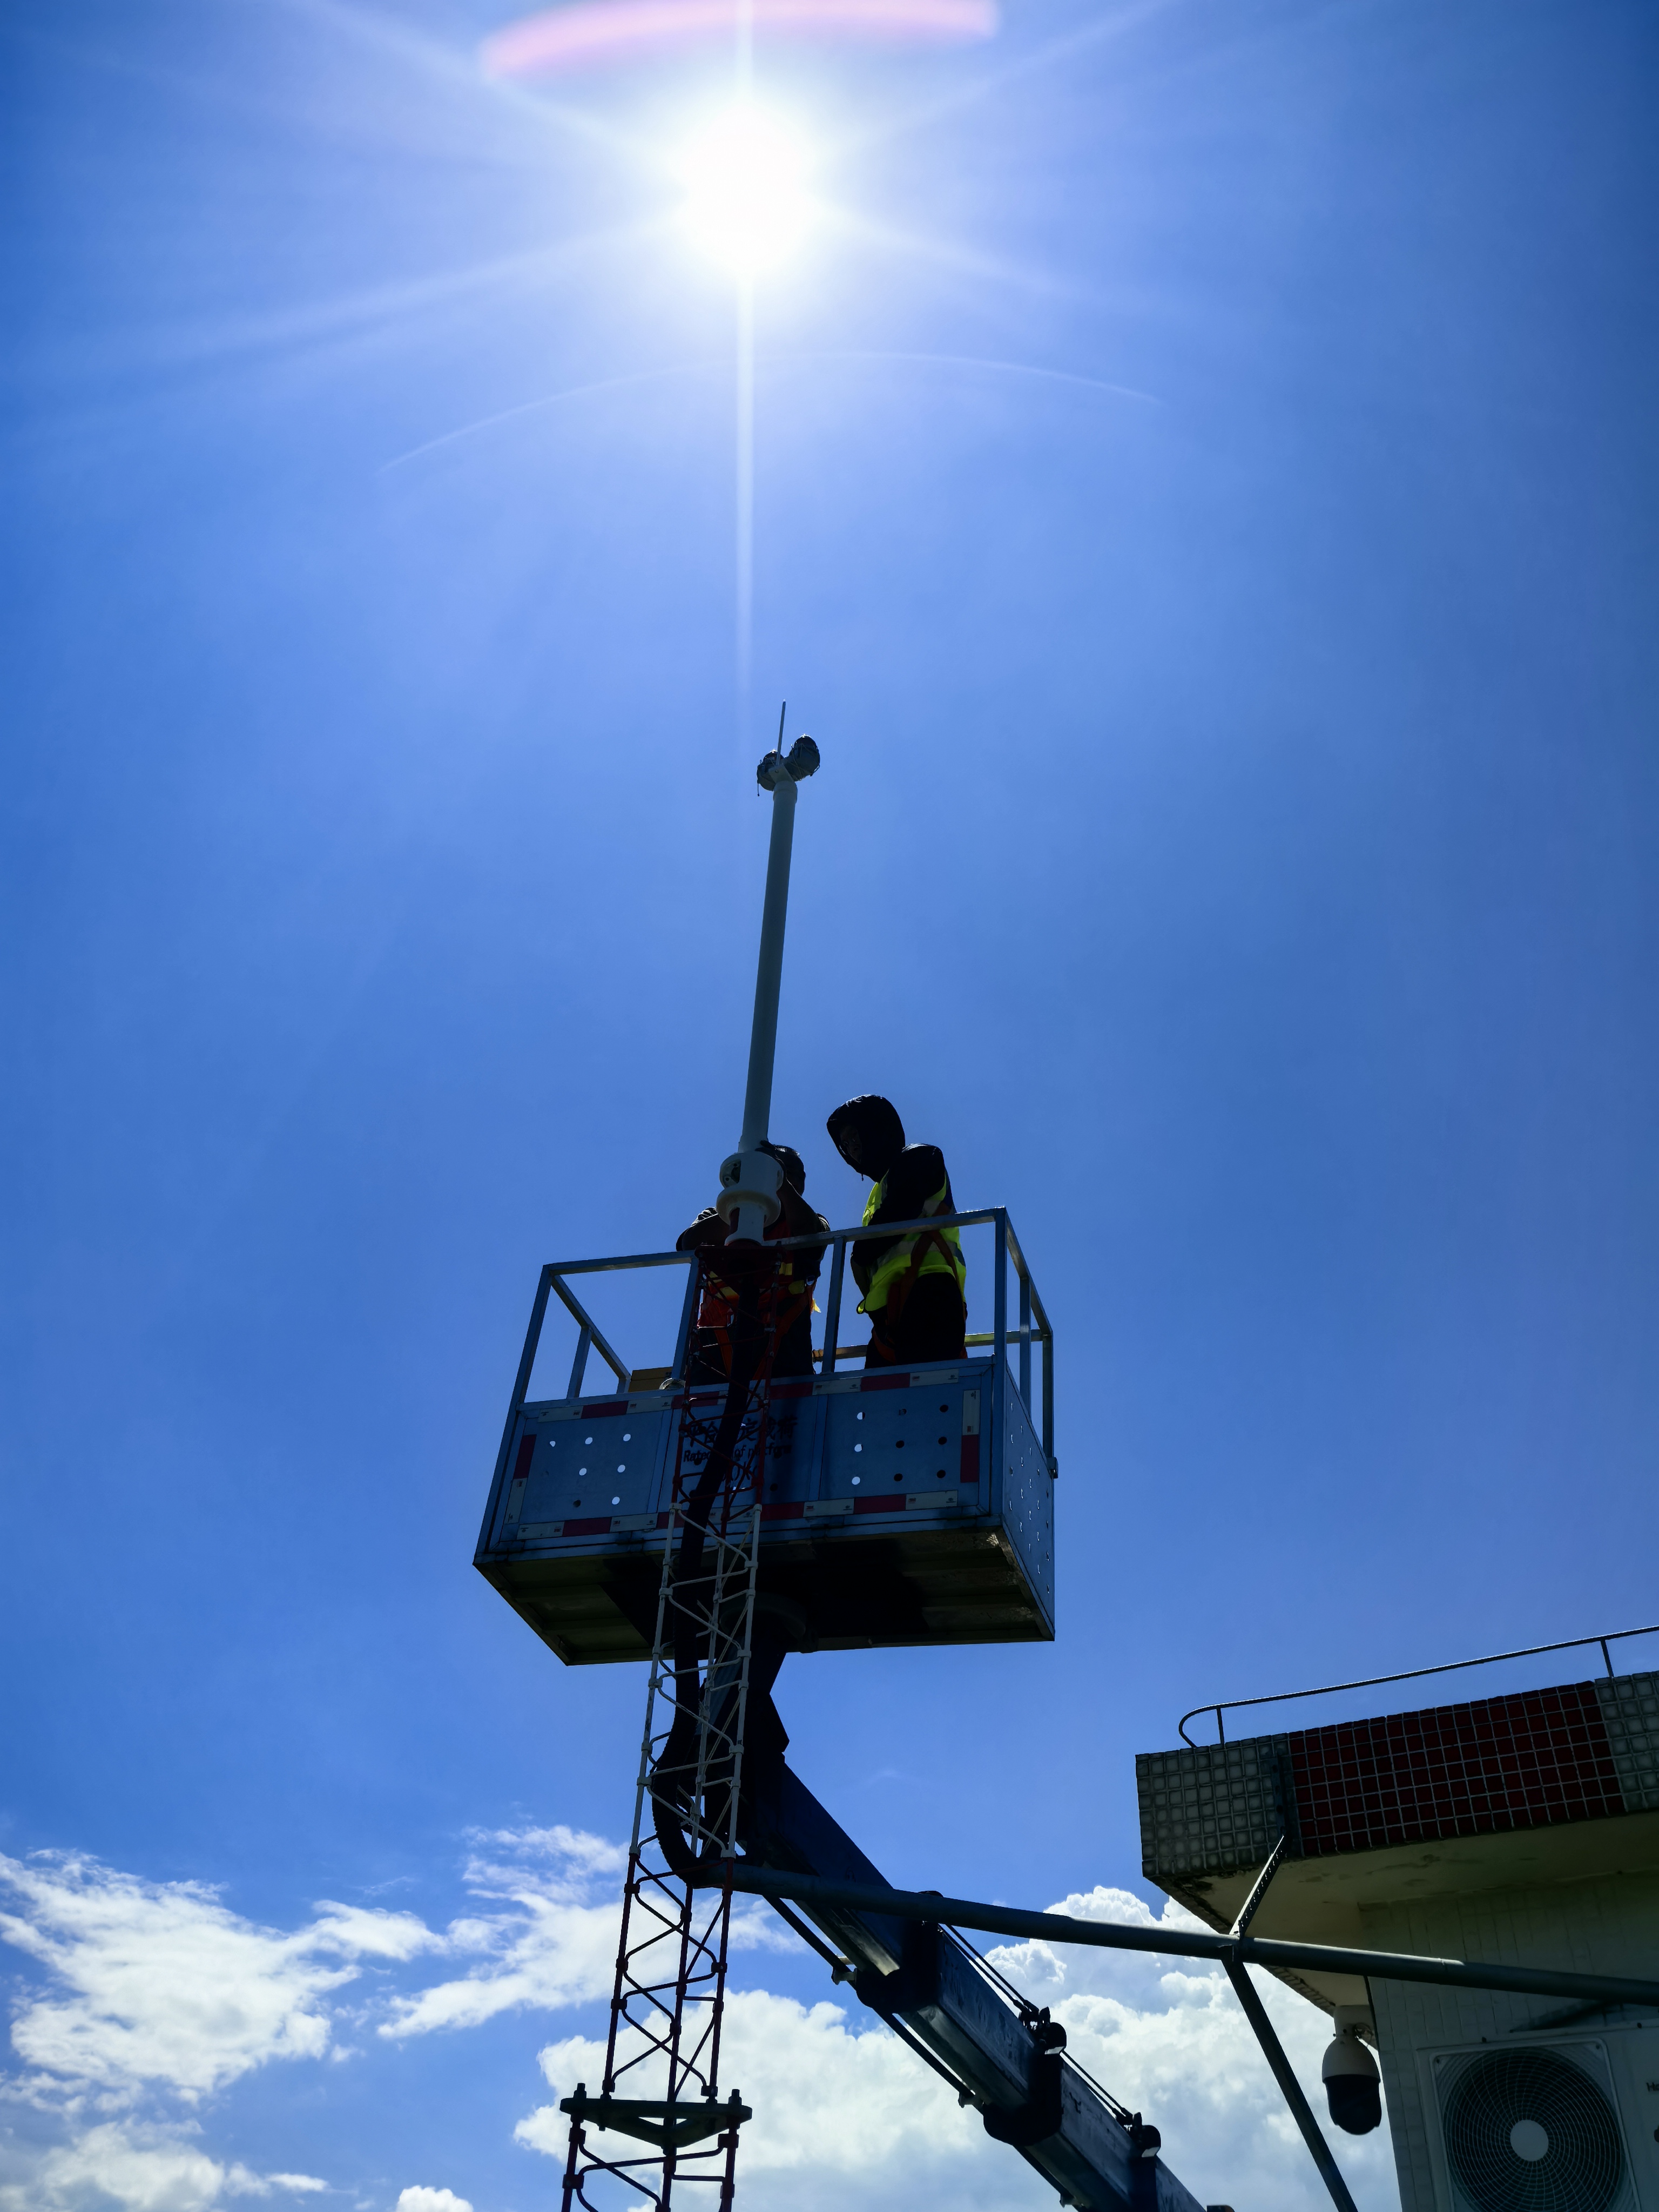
(914, 1507)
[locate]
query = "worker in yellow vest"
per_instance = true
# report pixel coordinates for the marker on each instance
(913, 1285)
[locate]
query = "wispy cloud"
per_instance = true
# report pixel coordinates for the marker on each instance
(1169, 2038)
(160, 1984)
(153, 1997)
(840, 2103)
(551, 1942)
(145, 2169)
(829, 2098)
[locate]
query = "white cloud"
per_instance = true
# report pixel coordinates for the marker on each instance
(1169, 2038)
(140, 2169)
(158, 1984)
(837, 2100)
(577, 1849)
(825, 2094)
(161, 1990)
(552, 1943)
(834, 2102)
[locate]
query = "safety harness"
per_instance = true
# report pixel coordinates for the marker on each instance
(922, 1252)
(719, 1301)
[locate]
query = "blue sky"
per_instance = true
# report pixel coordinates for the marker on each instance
(1205, 507)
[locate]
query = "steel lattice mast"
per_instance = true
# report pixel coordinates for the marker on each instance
(659, 2106)
(659, 2114)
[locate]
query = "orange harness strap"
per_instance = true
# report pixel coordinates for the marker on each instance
(714, 1316)
(904, 1285)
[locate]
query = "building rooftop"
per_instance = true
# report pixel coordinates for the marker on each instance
(1539, 1786)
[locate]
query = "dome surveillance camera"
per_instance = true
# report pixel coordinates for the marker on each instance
(1353, 2088)
(802, 760)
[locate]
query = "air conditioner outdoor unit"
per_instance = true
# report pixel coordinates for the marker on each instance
(1533, 2128)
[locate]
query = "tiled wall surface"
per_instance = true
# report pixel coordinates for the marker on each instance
(1519, 1762)
(1629, 1713)
(1580, 1752)
(1210, 1811)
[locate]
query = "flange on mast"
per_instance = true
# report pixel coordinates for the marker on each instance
(749, 1178)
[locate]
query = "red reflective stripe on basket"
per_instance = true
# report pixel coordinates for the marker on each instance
(791, 1389)
(786, 1509)
(886, 1382)
(969, 1476)
(527, 1453)
(603, 1410)
(594, 1528)
(890, 1505)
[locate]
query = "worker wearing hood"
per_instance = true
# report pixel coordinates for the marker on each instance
(913, 1283)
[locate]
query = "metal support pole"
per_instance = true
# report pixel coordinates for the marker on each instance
(811, 1890)
(688, 1314)
(1259, 1888)
(520, 1385)
(1025, 1340)
(832, 1310)
(533, 1340)
(1049, 1402)
(1000, 1378)
(768, 974)
(750, 1177)
(578, 2143)
(1000, 1294)
(1301, 2112)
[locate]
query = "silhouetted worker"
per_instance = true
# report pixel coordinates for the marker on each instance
(708, 1354)
(912, 1284)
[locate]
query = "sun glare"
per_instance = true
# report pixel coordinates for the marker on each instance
(745, 191)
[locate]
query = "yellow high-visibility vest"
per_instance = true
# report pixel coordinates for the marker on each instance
(897, 1262)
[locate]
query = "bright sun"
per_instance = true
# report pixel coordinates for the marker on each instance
(746, 196)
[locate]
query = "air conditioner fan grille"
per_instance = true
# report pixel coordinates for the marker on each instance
(1528, 2131)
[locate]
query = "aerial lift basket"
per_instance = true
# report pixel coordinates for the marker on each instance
(902, 1506)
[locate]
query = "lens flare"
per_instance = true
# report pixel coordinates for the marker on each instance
(585, 33)
(746, 202)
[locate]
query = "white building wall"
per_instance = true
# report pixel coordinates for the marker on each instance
(1607, 1925)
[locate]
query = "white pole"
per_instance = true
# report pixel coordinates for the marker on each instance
(749, 1179)
(768, 977)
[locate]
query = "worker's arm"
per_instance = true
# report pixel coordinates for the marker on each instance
(797, 1218)
(706, 1231)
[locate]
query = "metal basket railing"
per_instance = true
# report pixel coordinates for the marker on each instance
(1031, 1328)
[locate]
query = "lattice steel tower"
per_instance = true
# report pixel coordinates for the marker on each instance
(659, 2108)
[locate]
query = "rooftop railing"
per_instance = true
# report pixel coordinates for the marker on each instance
(1410, 1674)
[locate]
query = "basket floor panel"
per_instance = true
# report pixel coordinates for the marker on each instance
(929, 1586)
